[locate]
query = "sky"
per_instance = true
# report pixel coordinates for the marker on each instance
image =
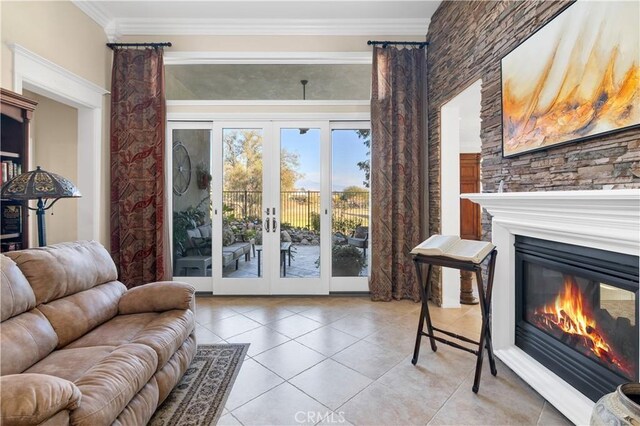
(347, 151)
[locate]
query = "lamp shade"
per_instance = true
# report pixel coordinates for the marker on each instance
(39, 183)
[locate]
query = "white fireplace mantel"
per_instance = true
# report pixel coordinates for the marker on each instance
(607, 220)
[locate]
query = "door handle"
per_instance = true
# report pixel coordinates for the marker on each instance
(274, 224)
(266, 225)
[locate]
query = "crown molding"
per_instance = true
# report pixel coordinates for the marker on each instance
(94, 11)
(115, 28)
(410, 26)
(211, 57)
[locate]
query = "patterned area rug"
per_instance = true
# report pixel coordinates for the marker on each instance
(200, 396)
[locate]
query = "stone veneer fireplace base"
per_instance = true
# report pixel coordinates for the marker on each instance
(606, 220)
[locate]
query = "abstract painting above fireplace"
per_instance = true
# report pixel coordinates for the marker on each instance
(577, 312)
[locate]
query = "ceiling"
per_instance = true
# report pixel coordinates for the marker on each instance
(261, 17)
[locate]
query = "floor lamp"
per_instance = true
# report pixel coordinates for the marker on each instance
(43, 186)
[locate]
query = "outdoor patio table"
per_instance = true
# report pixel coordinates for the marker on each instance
(285, 249)
(200, 263)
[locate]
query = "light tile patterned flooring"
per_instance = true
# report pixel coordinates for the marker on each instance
(347, 360)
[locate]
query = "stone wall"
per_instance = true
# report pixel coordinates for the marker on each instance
(467, 40)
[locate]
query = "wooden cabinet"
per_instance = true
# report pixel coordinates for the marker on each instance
(17, 111)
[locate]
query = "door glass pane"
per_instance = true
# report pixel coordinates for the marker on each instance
(242, 203)
(191, 180)
(350, 202)
(299, 203)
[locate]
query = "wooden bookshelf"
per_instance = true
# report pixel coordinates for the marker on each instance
(17, 112)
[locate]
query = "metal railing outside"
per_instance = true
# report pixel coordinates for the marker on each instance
(301, 209)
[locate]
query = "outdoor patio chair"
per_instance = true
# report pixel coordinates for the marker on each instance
(360, 238)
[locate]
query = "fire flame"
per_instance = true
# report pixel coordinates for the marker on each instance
(569, 314)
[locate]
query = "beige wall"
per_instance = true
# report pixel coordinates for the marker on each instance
(63, 34)
(270, 43)
(58, 31)
(54, 147)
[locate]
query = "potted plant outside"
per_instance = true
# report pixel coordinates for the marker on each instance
(347, 261)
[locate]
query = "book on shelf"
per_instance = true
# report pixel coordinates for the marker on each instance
(11, 219)
(454, 247)
(5, 171)
(10, 169)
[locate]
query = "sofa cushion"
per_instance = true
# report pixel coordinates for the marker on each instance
(165, 332)
(119, 330)
(205, 230)
(111, 383)
(62, 418)
(71, 364)
(227, 258)
(25, 339)
(160, 296)
(236, 248)
(16, 295)
(29, 399)
(63, 269)
(141, 407)
(75, 315)
(169, 376)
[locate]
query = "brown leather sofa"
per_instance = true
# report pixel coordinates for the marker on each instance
(77, 347)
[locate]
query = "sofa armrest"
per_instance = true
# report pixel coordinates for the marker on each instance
(29, 399)
(157, 297)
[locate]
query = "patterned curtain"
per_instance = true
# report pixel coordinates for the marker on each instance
(139, 235)
(397, 123)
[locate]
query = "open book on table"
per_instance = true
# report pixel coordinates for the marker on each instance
(454, 247)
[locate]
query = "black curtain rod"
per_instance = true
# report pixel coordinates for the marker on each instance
(418, 44)
(114, 45)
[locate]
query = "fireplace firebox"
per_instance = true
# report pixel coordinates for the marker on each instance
(577, 313)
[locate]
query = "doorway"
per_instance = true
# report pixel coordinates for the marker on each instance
(260, 207)
(460, 137)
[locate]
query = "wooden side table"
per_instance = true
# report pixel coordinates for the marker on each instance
(485, 309)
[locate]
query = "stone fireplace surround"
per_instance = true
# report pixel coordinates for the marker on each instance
(603, 219)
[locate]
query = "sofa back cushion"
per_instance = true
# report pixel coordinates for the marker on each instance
(16, 295)
(74, 316)
(25, 334)
(25, 339)
(64, 269)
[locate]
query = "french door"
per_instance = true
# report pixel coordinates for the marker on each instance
(257, 211)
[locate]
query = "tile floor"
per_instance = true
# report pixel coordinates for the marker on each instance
(346, 360)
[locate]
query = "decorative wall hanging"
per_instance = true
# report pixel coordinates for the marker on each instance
(181, 169)
(574, 79)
